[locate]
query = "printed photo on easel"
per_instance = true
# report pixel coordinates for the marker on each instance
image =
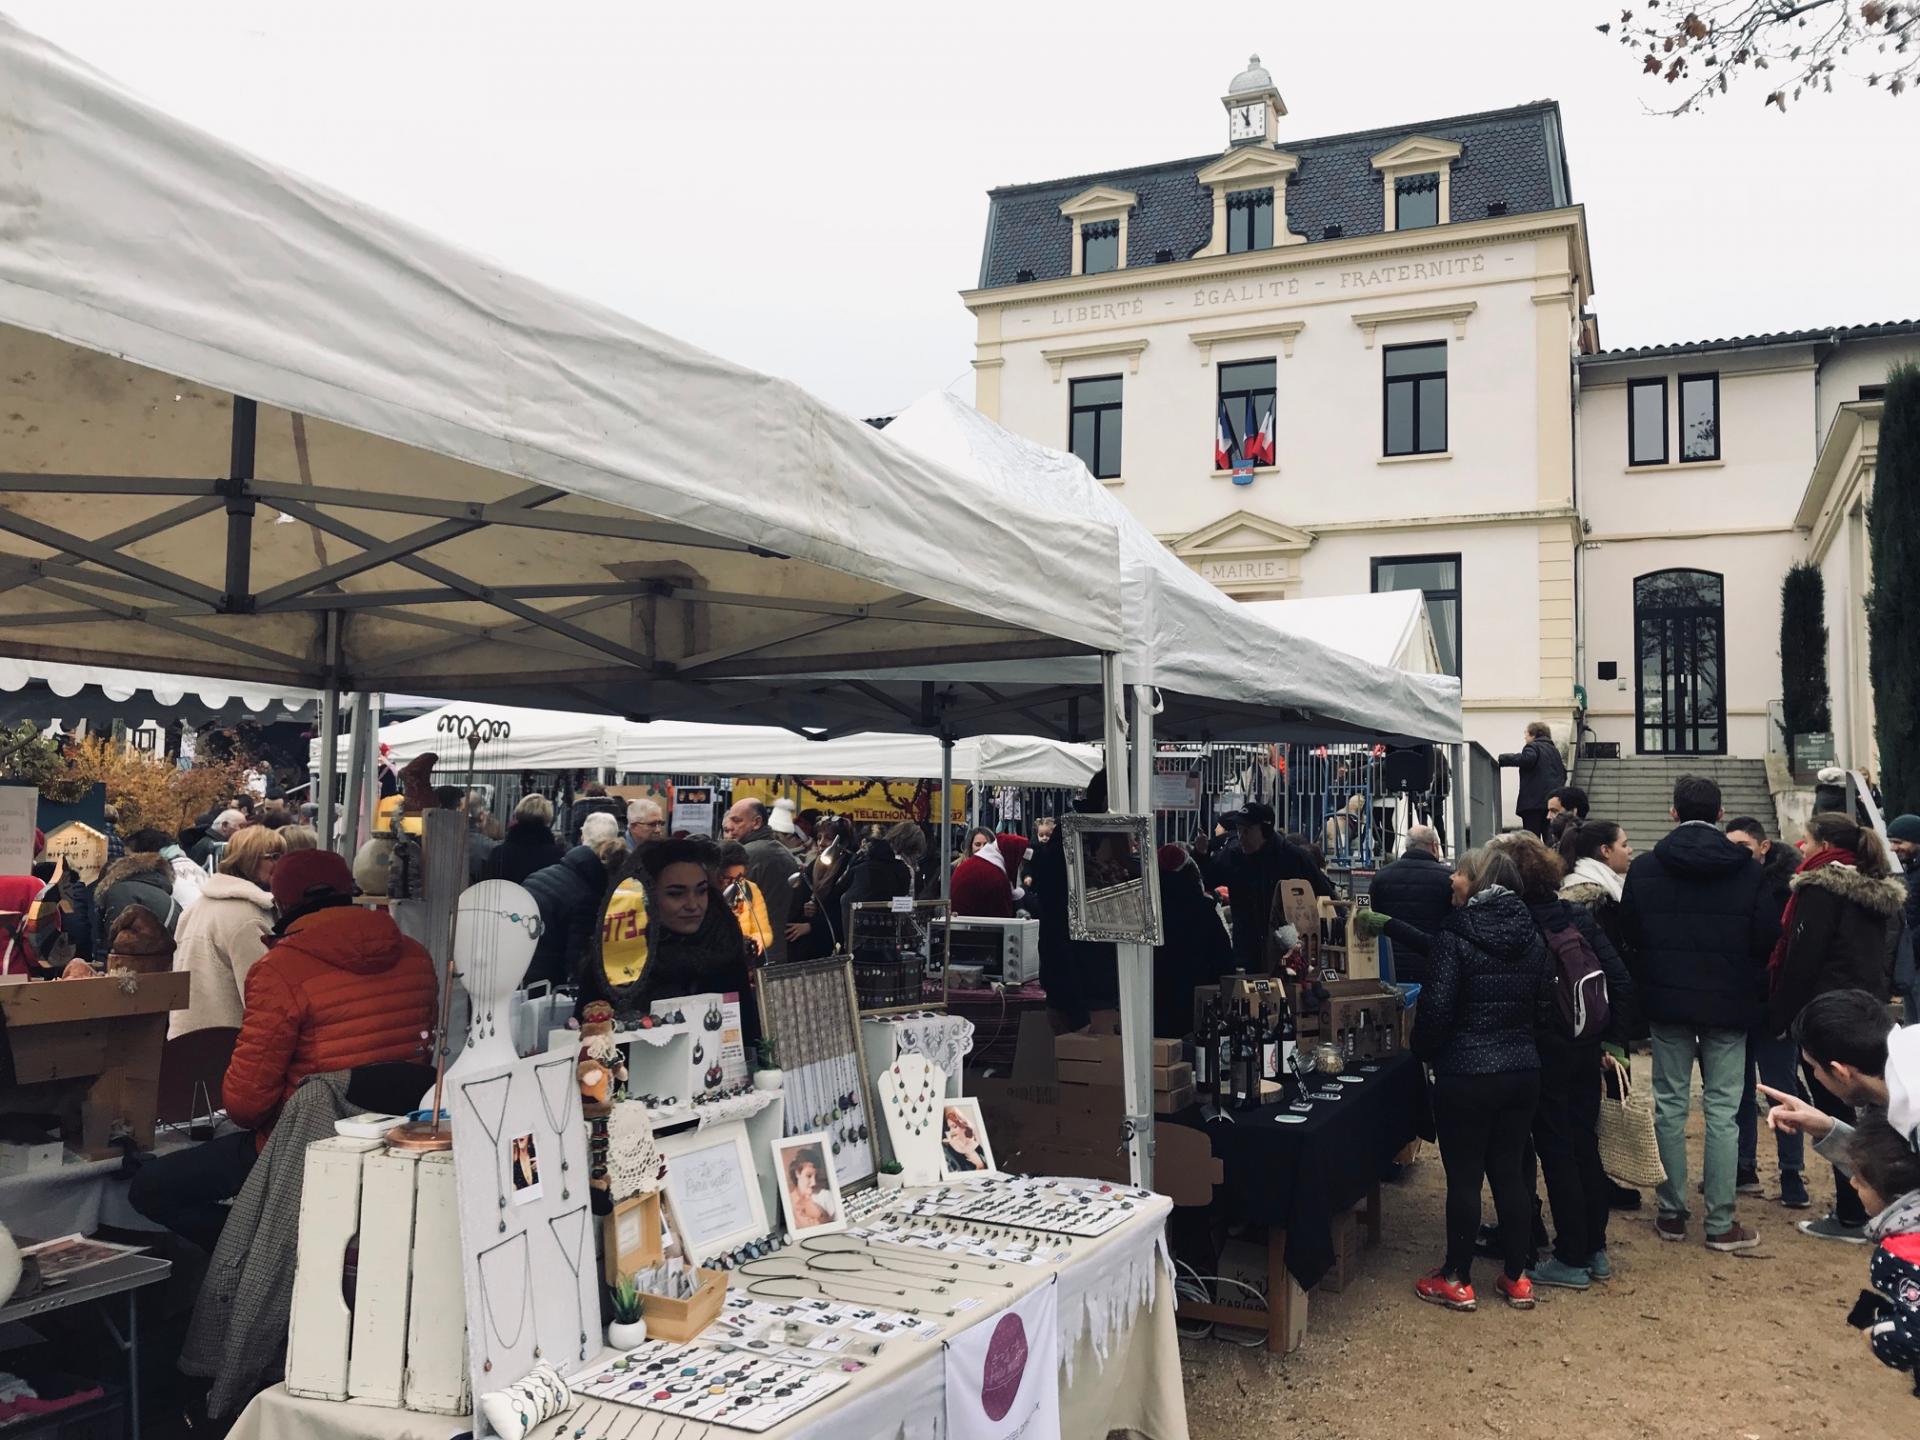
(809, 1189)
(525, 1170)
(963, 1139)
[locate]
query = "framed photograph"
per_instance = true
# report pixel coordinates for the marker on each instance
(809, 1010)
(712, 1190)
(964, 1147)
(1113, 884)
(809, 1189)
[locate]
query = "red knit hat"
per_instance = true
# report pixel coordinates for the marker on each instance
(303, 876)
(1171, 858)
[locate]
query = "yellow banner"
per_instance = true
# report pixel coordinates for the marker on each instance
(867, 801)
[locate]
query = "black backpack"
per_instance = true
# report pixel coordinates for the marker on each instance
(1579, 985)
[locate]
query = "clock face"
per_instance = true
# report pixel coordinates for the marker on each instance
(1247, 121)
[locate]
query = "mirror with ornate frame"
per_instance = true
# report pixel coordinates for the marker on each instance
(1113, 884)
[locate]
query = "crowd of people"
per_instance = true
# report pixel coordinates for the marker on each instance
(1761, 965)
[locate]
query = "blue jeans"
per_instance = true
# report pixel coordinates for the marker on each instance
(1723, 1059)
(1775, 1060)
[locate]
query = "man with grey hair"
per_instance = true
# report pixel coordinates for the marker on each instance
(770, 865)
(210, 845)
(1417, 891)
(646, 822)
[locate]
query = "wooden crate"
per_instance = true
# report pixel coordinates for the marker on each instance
(681, 1320)
(377, 1373)
(436, 1351)
(319, 1324)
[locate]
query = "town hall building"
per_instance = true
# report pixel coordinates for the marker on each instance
(1370, 362)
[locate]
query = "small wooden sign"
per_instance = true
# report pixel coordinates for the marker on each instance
(83, 847)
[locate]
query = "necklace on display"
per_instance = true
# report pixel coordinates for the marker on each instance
(486, 1301)
(815, 1247)
(574, 1260)
(822, 1292)
(493, 1131)
(569, 1089)
(911, 1098)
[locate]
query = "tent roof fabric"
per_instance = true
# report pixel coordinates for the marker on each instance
(493, 487)
(552, 740)
(1226, 673)
(1388, 628)
(45, 693)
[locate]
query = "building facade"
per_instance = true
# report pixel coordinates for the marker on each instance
(1367, 362)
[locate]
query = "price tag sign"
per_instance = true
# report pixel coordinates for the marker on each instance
(901, 905)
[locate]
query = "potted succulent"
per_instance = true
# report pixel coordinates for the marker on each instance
(767, 1074)
(628, 1330)
(893, 1175)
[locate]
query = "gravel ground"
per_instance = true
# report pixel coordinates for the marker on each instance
(1684, 1344)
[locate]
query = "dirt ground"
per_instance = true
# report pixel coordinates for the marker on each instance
(1683, 1344)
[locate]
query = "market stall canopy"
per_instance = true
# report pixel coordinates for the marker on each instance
(552, 740)
(1223, 672)
(1388, 628)
(243, 412)
(47, 693)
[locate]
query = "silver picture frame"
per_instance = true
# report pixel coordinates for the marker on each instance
(1126, 908)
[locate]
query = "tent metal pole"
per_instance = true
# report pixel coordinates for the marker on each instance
(1132, 959)
(357, 760)
(238, 594)
(1136, 967)
(940, 809)
(329, 768)
(374, 701)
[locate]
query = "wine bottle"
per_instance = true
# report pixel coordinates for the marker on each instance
(1269, 1046)
(1289, 1036)
(1202, 1057)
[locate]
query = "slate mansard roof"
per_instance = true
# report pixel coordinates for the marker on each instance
(1513, 157)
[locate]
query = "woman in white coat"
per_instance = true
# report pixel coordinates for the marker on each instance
(220, 938)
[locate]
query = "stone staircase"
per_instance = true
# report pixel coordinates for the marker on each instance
(1637, 792)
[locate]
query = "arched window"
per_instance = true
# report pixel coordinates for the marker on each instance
(1680, 672)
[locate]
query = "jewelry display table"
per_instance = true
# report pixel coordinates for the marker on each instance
(1119, 1365)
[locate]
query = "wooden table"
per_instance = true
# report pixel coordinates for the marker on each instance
(90, 1051)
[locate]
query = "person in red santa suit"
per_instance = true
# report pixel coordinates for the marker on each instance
(983, 883)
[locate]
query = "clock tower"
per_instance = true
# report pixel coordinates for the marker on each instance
(1254, 107)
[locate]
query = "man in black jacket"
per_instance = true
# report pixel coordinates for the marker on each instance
(1251, 873)
(1541, 773)
(1696, 913)
(1417, 890)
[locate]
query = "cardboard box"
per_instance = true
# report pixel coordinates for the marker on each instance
(1085, 1046)
(1088, 1072)
(1247, 992)
(1173, 1077)
(1370, 1010)
(1332, 941)
(1348, 1237)
(630, 1236)
(1170, 1102)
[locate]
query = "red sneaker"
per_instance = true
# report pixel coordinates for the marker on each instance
(1518, 1293)
(1437, 1289)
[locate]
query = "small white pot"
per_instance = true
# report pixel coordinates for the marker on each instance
(625, 1335)
(893, 1182)
(768, 1079)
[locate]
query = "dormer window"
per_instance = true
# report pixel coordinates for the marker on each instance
(1249, 220)
(1099, 220)
(1100, 247)
(1415, 176)
(1416, 201)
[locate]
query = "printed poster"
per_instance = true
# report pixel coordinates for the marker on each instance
(1003, 1375)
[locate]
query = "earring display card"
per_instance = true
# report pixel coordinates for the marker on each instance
(526, 1229)
(809, 1011)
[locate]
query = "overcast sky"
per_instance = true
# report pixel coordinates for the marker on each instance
(801, 187)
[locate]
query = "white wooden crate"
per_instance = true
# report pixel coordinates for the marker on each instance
(319, 1324)
(377, 1372)
(436, 1329)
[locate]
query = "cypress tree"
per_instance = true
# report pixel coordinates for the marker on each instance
(1803, 652)
(1893, 606)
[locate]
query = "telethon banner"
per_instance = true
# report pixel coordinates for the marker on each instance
(880, 802)
(1003, 1376)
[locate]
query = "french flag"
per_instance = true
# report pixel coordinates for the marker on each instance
(1259, 446)
(1223, 441)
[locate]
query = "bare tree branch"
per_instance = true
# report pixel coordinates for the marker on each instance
(1702, 48)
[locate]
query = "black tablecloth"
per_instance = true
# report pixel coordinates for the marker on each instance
(1300, 1176)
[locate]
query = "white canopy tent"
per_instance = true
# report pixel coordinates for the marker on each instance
(267, 433)
(45, 692)
(554, 740)
(1222, 671)
(1390, 628)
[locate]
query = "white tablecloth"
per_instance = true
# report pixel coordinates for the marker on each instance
(1120, 1368)
(78, 1198)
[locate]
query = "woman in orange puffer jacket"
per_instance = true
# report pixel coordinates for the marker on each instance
(340, 987)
